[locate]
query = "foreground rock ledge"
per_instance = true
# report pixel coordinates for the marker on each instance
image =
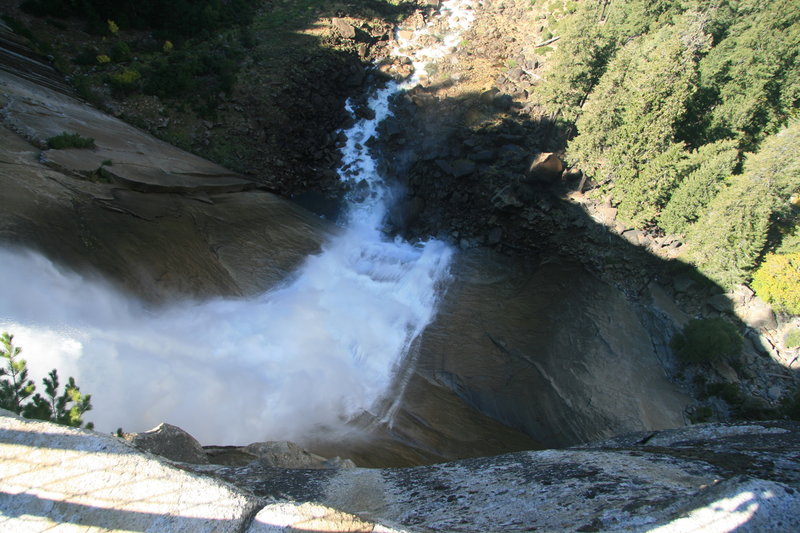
(711, 477)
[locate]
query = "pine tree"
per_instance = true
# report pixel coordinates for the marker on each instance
(578, 62)
(17, 392)
(732, 234)
(589, 38)
(15, 387)
(626, 137)
(707, 167)
(727, 240)
(750, 80)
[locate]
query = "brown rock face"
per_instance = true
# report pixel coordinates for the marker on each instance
(549, 350)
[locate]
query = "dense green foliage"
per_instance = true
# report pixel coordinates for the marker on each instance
(749, 80)
(707, 340)
(178, 17)
(191, 54)
(69, 140)
(777, 281)
(668, 98)
(202, 73)
(703, 176)
(18, 393)
(732, 234)
(628, 123)
(792, 339)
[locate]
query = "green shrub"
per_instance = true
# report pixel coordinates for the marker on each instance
(791, 407)
(706, 340)
(69, 140)
(18, 393)
(121, 52)
(701, 414)
(125, 81)
(777, 281)
(792, 339)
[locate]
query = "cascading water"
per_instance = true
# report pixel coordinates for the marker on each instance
(312, 354)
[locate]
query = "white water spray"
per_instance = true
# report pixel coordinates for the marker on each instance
(313, 354)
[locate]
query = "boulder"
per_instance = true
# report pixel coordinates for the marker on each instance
(721, 303)
(171, 442)
(757, 314)
(343, 28)
(274, 454)
(606, 214)
(546, 167)
(634, 236)
(462, 167)
(506, 199)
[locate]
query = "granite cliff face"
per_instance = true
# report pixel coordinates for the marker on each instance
(712, 477)
(153, 218)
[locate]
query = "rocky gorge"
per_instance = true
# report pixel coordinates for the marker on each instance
(546, 338)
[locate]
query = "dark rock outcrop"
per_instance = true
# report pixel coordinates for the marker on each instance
(171, 442)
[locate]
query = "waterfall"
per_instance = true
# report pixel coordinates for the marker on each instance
(312, 354)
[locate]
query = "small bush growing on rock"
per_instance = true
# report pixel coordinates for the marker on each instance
(125, 81)
(69, 140)
(121, 52)
(18, 393)
(792, 339)
(701, 414)
(707, 340)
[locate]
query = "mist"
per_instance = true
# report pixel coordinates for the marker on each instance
(307, 356)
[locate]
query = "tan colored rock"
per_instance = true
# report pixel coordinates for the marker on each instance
(546, 166)
(344, 28)
(757, 313)
(285, 454)
(108, 227)
(606, 214)
(553, 337)
(276, 454)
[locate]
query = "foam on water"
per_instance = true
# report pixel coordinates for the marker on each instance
(312, 354)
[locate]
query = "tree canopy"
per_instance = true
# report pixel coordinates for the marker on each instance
(685, 114)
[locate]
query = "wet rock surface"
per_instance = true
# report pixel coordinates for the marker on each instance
(551, 350)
